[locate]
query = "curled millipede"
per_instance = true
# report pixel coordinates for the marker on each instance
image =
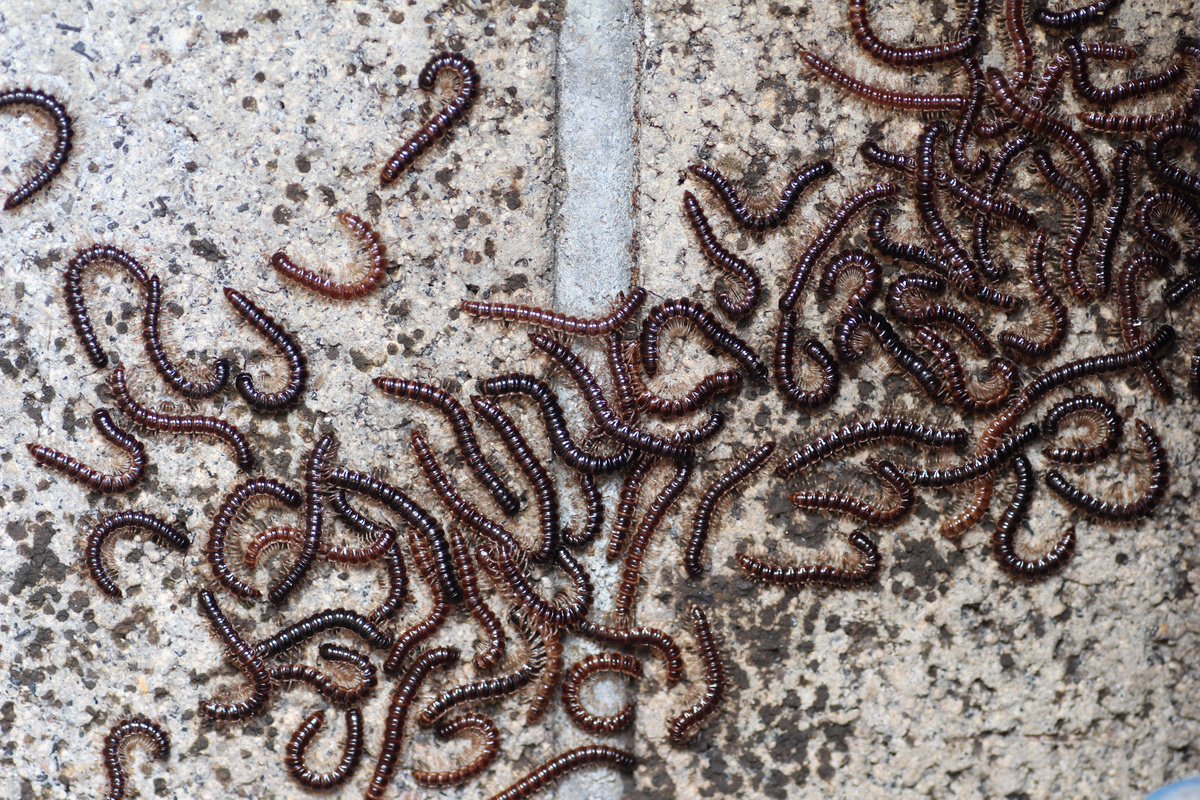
(1084, 88)
(977, 467)
(1004, 376)
(99, 254)
(283, 341)
(486, 738)
(1108, 511)
(1136, 267)
(639, 543)
(897, 100)
(1081, 227)
(710, 386)
(91, 477)
(1114, 220)
(683, 728)
(223, 520)
(638, 637)
(825, 238)
(593, 503)
(707, 324)
(868, 289)
(591, 755)
(326, 686)
(863, 570)
(1074, 17)
(1156, 159)
(426, 627)
(580, 672)
(352, 751)
(316, 471)
(556, 423)
(623, 310)
(1004, 539)
(343, 619)
(541, 480)
(965, 126)
(159, 529)
(412, 513)
(1098, 409)
(1001, 164)
(693, 554)
(193, 390)
(491, 688)
(750, 290)
(186, 424)
(1156, 204)
(464, 433)
(887, 472)
(914, 55)
(397, 716)
(627, 500)
(905, 357)
(441, 122)
(791, 388)
(49, 105)
(564, 610)
(859, 434)
(124, 733)
(338, 554)
(900, 306)
(741, 211)
(245, 657)
(491, 655)
(1024, 344)
(324, 285)
(877, 233)
(547, 684)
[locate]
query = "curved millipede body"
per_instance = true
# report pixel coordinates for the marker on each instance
(124, 733)
(580, 672)
(491, 655)
(426, 627)
(1137, 267)
(352, 751)
(547, 684)
(1156, 159)
(186, 424)
(902, 306)
(323, 284)
(316, 469)
(284, 342)
(590, 755)
(151, 337)
(683, 728)
(750, 291)
(624, 308)
(1004, 539)
(330, 619)
(1108, 511)
(91, 477)
(742, 211)
(73, 292)
(326, 686)
(64, 132)
(977, 467)
(627, 500)
(898, 100)
(436, 126)
(653, 638)
(870, 321)
(486, 737)
(245, 657)
(1026, 344)
(564, 610)
(338, 554)
(227, 514)
(1004, 376)
(785, 379)
(159, 529)
(1081, 227)
(858, 434)
(1148, 215)
(693, 554)
(1074, 17)
(889, 474)
(695, 312)
(914, 55)
(1098, 410)
(840, 575)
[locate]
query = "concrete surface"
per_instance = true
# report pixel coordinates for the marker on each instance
(211, 136)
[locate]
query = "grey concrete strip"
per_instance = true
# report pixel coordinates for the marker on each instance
(597, 64)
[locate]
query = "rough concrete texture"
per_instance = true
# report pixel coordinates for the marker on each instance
(210, 137)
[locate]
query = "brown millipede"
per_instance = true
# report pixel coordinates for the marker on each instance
(1004, 376)
(743, 468)
(1004, 539)
(1108, 511)
(124, 733)
(573, 683)
(316, 470)
(1135, 268)
(407, 641)
(590, 755)
(159, 529)
(486, 738)
(49, 105)
(441, 122)
(825, 366)
(1099, 410)
(1156, 204)
(151, 338)
(352, 751)
(871, 321)
(750, 291)
(741, 210)
(323, 284)
(490, 655)
(564, 610)
(795, 575)
(1074, 17)
(638, 637)
(683, 728)
(624, 308)
(73, 292)
(270, 538)
(223, 521)
(245, 657)
(91, 477)
(909, 312)
(889, 474)
(1156, 158)
(898, 100)
(858, 434)
(1114, 220)
(1081, 227)
(326, 686)
(547, 684)
(283, 341)
(296, 634)
(914, 55)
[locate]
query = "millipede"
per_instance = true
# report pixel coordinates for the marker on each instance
(1004, 538)
(863, 432)
(889, 474)
(1004, 377)
(591, 755)
(222, 523)
(627, 500)
(1092, 407)
(116, 743)
(440, 123)
(326, 286)
(297, 746)
(695, 312)
(316, 469)
(962, 270)
(573, 684)
(1109, 511)
(778, 213)
(244, 656)
(652, 638)
(290, 538)
(343, 619)
(593, 503)
(1084, 88)
(905, 310)
(326, 686)
(1053, 328)
(1114, 220)
(785, 380)
(623, 310)
(565, 609)
(726, 482)
(185, 424)
(620, 369)
(977, 467)
(683, 728)
(965, 127)
(710, 386)
(1135, 268)
(64, 133)
(1074, 17)
(1176, 292)
(100, 255)
(432, 622)
(868, 288)
(1156, 148)
(151, 337)
(484, 735)
(158, 528)
(1081, 227)
(284, 342)
(795, 575)
(750, 290)
(914, 55)
(913, 253)
(547, 684)
(888, 98)
(871, 321)
(92, 478)
(493, 652)
(1019, 42)
(1159, 203)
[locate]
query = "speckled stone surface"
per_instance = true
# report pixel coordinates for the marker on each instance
(209, 137)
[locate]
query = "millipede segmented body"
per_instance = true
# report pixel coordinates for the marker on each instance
(486, 738)
(591, 755)
(397, 716)
(963, 271)
(859, 434)
(1137, 267)
(750, 290)
(693, 554)
(223, 520)
(710, 386)
(887, 472)
(1081, 227)
(193, 390)
(624, 308)
(840, 575)
(1077, 58)
(965, 127)
(1176, 292)
(627, 501)
(316, 470)
(1114, 220)
(573, 684)
(64, 132)
(1018, 40)
(1004, 376)
(563, 610)
(1004, 538)
(91, 477)
(436, 126)
(695, 312)
(913, 253)
(1074, 17)
(124, 733)
(1027, 344)
(1156, 147)
(914, 55)
(493, 652)
(974, 468)
(1156, 204)
(593, 502)
(342, 619)
(1095, 408)
(871, 321)
(338, 554)
(547, 684)
(244, 656)
(868, 288)
(73, 292)
(1108, 511)
(902, 306)
(326, 686)
(185, 424)
(741, 211)
(352, 751)
(432, 622)
(464, 433)
(326, 286)
(898, 100)
(789, 386)
(284, 342)
(653, 638)
(159, 529)
(683, 728)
